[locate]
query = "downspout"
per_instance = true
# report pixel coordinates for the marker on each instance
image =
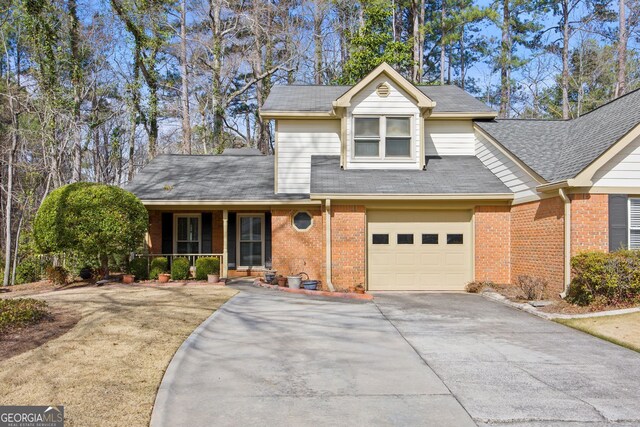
(327, 210)
(567, 241)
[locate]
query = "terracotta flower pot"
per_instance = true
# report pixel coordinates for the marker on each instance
(282, 281)
(359, 289)
(128, 278)
(213, 278)
(164, 277)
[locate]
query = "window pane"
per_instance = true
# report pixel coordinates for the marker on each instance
(188, 247)
(250, 254)
(256, 227)
(302, 220)
(405, 239)
(398, 147)
(398, 126)
(429, 239)
(454, 239)
(245, 228)
(380, 239)
(193, 229)
(634, 239)
(369, 126)
(182, 229)
(367, 148)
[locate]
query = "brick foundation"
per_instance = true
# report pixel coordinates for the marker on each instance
(537, 241)
(589, 223)
(493, 244)
(349, 245)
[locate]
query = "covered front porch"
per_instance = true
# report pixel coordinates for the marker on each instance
(240, 238)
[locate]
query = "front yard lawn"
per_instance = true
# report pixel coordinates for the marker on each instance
(623, 330)
(107, 368)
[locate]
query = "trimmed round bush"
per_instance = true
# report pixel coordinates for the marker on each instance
(138, 267)
(158, 266)
(206, 266)
(94, 220)
(180, 269)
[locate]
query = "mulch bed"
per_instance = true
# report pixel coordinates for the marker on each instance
(19, 340)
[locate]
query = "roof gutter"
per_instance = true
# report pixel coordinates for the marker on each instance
(567, 241)
(228, 202)
(554, 186)
(396, 196)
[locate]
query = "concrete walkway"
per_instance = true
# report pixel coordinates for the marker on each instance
(271, 358)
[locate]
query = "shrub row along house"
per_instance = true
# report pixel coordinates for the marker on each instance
(403, 187)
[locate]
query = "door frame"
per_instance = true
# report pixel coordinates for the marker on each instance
(261, 215)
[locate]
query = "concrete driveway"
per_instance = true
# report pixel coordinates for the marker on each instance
(270, 358)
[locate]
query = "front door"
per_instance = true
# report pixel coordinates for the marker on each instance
(251, 240)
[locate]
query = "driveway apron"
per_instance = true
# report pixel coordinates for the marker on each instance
(270, 358)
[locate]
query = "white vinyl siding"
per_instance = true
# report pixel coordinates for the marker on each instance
(399, 104)
(513, 176)
(297, 141)
(634, 223)
(449, 138)
(623, 170)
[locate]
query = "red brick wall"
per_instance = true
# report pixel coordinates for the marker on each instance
(493, 244)
(537, 241)
(293, 251)
(348, 245)
(589, 223)
(154, 239)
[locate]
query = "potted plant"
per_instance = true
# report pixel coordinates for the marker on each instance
(359, 289)
(281, 280)
(294, 281)
(128, 278)
(208, 268)
(164, 277)
(310, 285)
(269, 275)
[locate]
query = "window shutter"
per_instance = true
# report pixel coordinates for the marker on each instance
(618, 222)
(634, 223)
(206, 237)
(167, 233)
(231, 240)
(267, 239)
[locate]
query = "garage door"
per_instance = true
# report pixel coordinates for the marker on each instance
(419, 250)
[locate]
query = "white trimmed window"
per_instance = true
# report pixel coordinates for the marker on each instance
(634, 223)
(187, 234)
(383, 137)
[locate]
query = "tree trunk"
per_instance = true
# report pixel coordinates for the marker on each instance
(318, 18)
(76, 81)
(566, 34)
(216, 67)
(9, 202)
(623, 37)
(505, 62)
(186, 119)
(463, 70)
(443, 15)
(15, 251)
(417, 51)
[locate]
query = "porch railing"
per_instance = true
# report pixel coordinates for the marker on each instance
(170, 257)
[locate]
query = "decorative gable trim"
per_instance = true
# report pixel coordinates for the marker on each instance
(422, 100)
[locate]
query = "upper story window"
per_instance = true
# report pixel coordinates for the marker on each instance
(382, 137)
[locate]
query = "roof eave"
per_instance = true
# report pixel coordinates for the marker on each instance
(161, 202)
(432, 196)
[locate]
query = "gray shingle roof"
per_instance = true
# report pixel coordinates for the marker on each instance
(447, 174)
(319, 99)
(558, 150)
(174, 177)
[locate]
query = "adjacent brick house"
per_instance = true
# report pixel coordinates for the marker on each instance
(403, 187)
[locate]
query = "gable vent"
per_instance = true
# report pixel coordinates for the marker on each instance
(383, 90)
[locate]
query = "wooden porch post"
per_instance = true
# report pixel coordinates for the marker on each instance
(225, 252)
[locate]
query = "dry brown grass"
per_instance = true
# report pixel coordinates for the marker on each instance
(106, 369)
(623, 330)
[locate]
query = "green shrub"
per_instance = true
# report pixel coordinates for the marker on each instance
(158, 266)
(613, 277)
(21, 312)
(28, 270)
(180, 269)
(57, 275)
(138, 267)
(205, 266)
(94, 220)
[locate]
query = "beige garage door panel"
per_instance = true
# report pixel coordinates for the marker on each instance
(418, 266)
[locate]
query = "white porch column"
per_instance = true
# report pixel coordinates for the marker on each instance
(225, 251)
